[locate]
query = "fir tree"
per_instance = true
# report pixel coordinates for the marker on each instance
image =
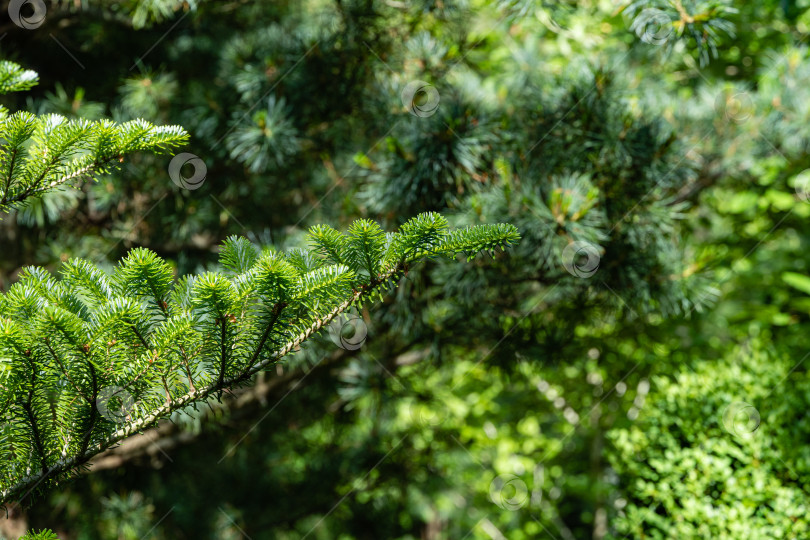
(92, 358)
(652, 155)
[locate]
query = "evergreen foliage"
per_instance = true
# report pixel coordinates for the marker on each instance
(40, 153)
(91, 358)
(635, 368)
(45, 534)
(86, 353)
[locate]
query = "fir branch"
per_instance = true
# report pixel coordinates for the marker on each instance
(113, 312)
(73, 150)
(13, 78)
(276, 313)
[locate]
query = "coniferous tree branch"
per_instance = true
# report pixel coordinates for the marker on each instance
(94, 337)
(40, 153)
(13, 78)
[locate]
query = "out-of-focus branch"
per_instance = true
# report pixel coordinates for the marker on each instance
(155, 443)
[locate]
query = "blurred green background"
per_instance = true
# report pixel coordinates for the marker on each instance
(651, 385)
